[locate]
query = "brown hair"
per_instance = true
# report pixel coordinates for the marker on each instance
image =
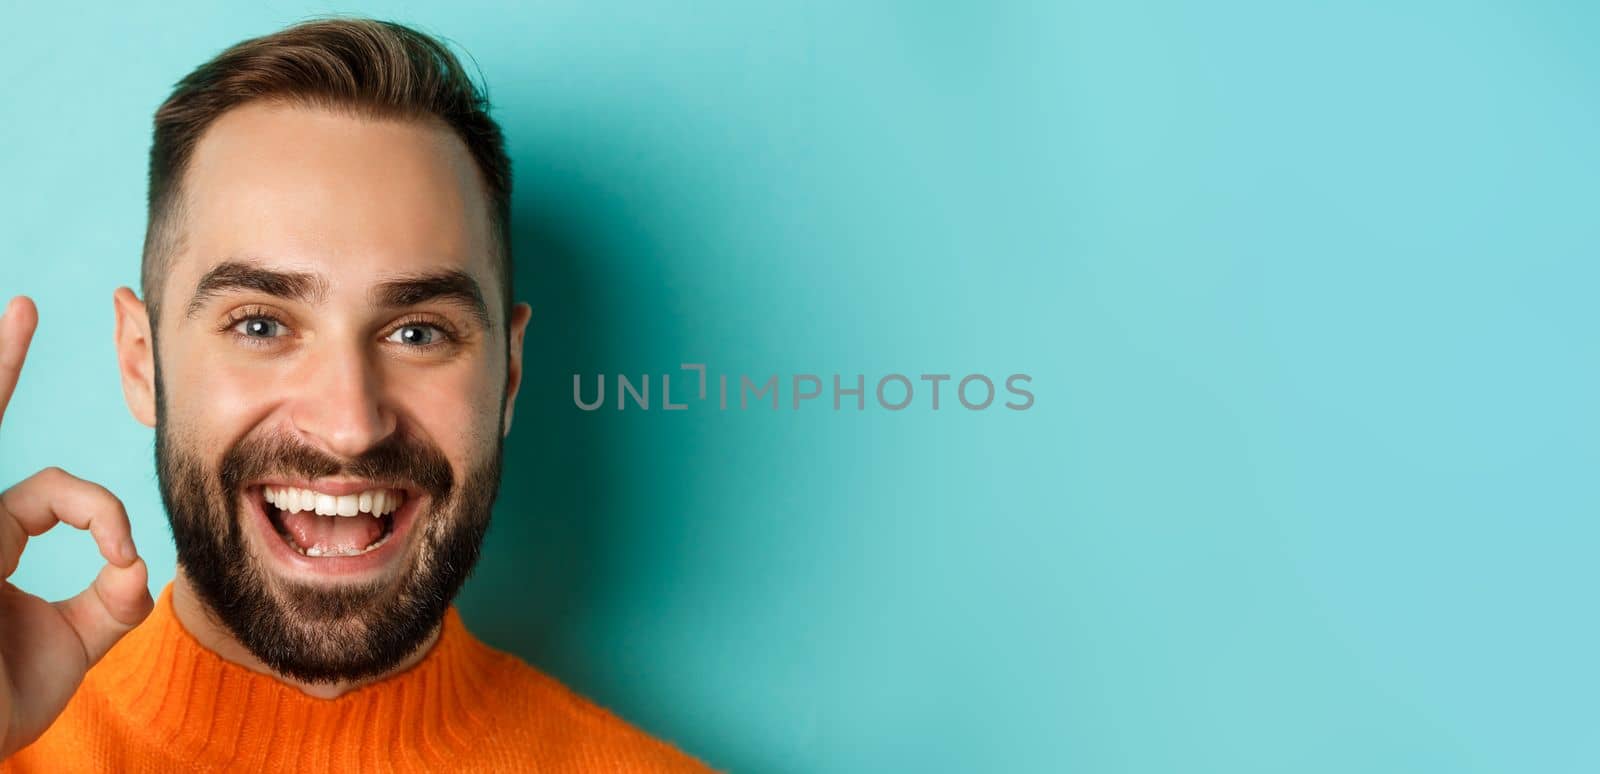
(376, 68)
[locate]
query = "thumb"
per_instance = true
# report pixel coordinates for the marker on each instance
(116, 602)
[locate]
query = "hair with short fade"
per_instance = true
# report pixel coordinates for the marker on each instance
(374, 68)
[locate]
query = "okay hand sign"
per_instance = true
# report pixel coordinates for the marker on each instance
(47, 647)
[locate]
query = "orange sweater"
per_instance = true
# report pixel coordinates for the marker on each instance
(161, 702)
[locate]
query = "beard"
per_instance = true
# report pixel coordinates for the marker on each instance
(322, 632)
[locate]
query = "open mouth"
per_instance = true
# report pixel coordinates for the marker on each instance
(318, 524)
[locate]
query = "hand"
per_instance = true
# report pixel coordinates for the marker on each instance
(46, 648)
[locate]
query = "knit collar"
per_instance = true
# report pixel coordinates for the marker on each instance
(162, 681)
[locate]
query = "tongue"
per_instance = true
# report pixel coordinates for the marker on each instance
(332, 533)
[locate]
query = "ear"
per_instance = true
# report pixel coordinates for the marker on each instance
(136, 355)
(520, 313)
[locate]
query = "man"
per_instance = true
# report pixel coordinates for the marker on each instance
(329, 354)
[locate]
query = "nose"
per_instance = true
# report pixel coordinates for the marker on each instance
(341, 408)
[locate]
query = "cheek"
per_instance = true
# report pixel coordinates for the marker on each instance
(457, 407)
(218, 398)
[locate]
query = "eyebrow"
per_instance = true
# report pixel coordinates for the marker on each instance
(249, 275)
(456, 287)
(451, 286)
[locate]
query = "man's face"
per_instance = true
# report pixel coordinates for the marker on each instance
(332, 383)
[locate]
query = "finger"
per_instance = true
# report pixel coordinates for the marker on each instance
(16, 330)
(53, 495)
(116, 602)
(12, 541)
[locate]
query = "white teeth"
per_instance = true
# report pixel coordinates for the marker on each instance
(376, 502)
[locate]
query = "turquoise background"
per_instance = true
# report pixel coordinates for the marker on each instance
(1306, 291)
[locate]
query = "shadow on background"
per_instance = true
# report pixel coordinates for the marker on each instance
(552, 574)
(544, 553)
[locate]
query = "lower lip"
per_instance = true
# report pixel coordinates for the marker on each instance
(333, 566)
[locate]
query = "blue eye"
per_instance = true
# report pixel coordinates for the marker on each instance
(415, 335)
(259, 327)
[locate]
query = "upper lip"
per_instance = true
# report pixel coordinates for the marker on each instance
(333, 486)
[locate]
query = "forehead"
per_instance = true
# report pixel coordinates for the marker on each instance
(350, 197)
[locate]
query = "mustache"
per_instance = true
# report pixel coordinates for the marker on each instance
(398, 459)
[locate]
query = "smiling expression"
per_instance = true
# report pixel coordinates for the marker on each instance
(334, 375)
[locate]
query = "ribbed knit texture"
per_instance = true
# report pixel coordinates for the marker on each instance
(162, 702)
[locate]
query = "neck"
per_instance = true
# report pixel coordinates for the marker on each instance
(198, 620)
